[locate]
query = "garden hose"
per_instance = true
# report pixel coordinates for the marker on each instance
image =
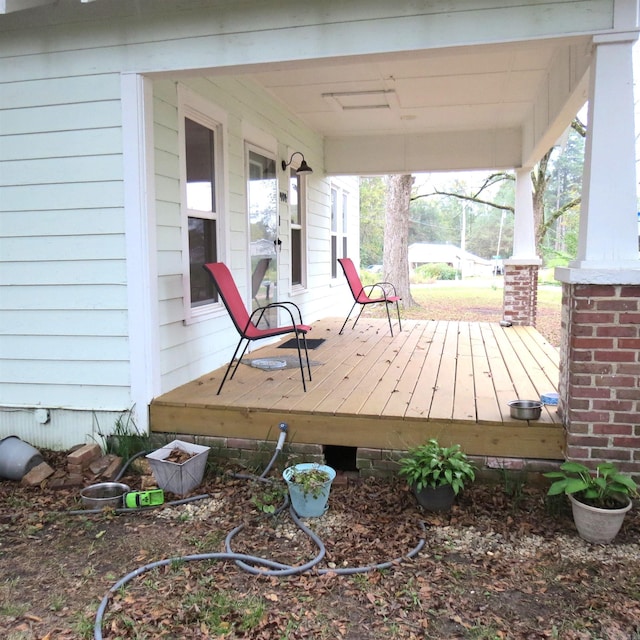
(246, 562)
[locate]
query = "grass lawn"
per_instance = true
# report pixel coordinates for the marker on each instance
(481, 301)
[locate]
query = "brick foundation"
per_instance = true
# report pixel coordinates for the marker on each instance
(600, 373)
(370, 463)
(520, 298)
(256, 453)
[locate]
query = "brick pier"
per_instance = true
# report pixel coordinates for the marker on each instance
(600, 373)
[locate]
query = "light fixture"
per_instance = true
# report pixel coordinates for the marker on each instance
(303, 168)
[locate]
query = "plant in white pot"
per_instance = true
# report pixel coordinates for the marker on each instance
(436, 474)
(309, 485)
(599, 499)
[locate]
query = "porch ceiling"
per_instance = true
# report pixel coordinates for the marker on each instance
(437, 99)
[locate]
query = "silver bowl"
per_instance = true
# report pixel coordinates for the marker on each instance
(104, 494)
(525, 409)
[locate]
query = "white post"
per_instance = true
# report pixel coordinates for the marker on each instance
(142, 273)
(524, 234)
(608, 229)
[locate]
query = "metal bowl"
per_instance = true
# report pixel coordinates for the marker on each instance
(525, 409)
(104, 494)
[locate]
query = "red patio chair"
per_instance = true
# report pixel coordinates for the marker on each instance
(385, 293)
(247, 325)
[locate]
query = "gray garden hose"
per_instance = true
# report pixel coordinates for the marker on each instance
(245, 561)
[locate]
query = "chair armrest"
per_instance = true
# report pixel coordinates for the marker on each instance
(383, 286)
(260, 311)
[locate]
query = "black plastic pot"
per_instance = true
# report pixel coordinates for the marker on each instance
(436, 498)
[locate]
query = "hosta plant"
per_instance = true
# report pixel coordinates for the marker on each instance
(605, 488)
(431, 465)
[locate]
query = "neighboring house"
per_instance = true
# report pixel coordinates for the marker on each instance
(466, 263)
(139, 138)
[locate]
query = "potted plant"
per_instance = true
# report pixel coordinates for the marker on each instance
(436, 474)
(309, 485)
(599, 499)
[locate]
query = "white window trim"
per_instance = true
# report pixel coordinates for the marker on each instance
(342, 219)
(193, 106)
(302, 215)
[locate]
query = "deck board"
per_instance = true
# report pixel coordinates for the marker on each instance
(450, 380)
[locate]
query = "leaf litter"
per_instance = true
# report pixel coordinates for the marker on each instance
(499, 565)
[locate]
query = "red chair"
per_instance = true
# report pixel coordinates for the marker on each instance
(247, 325)
(385, 292)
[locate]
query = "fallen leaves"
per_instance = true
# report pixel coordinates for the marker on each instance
(499, 565)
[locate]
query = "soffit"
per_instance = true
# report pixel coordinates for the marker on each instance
(465, 88)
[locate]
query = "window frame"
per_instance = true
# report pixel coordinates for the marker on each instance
(196, 108)
(338, 227)
(300, 226)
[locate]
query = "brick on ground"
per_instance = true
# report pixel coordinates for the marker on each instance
(84, 456)
(38, 474)
(66, 482)
(113, 467)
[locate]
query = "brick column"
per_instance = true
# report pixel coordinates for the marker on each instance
(600, 373)
(520, 299)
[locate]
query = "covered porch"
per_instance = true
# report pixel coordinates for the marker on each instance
(450, 380)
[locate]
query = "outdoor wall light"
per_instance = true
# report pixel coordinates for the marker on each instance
(303, 168)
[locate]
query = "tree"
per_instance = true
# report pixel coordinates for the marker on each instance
(396, 234)
(556, 173)
(372, 206)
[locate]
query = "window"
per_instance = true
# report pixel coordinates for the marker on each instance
(201, 203)
(297, 203)
(201, 198)
(339, 214)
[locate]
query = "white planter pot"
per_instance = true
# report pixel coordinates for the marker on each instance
(179, 478)
(599, 526)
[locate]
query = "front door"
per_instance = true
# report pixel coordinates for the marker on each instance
(262, 192)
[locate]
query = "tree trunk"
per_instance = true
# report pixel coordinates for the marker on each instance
(396, 235)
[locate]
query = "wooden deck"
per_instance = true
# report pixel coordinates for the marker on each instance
(450, 380)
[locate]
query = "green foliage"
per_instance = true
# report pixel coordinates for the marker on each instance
(602, 488)
(372, 205)
(125, 439)
(311, 480)
(267, 497)
(431, 465)
(435, 271)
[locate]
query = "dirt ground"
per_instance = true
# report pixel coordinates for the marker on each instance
(505, 563)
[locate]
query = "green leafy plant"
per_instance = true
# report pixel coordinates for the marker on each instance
(605, 488)
(267, 498)
(311, 480)
(431, 465)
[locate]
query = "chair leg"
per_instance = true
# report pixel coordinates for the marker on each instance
(304, 341)
(347, 318)
(398, 311)
(239, 360)
(226, 373)
(358, 316)
(306, 353)
(389, 318)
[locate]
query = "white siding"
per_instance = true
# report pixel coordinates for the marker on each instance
(190, 350)
(63, 320)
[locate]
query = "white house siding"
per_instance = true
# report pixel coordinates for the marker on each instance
(64, 324)
(63, 320)
(190, 350)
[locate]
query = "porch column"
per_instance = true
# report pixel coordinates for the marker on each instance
(600, 351)
(520, 296)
